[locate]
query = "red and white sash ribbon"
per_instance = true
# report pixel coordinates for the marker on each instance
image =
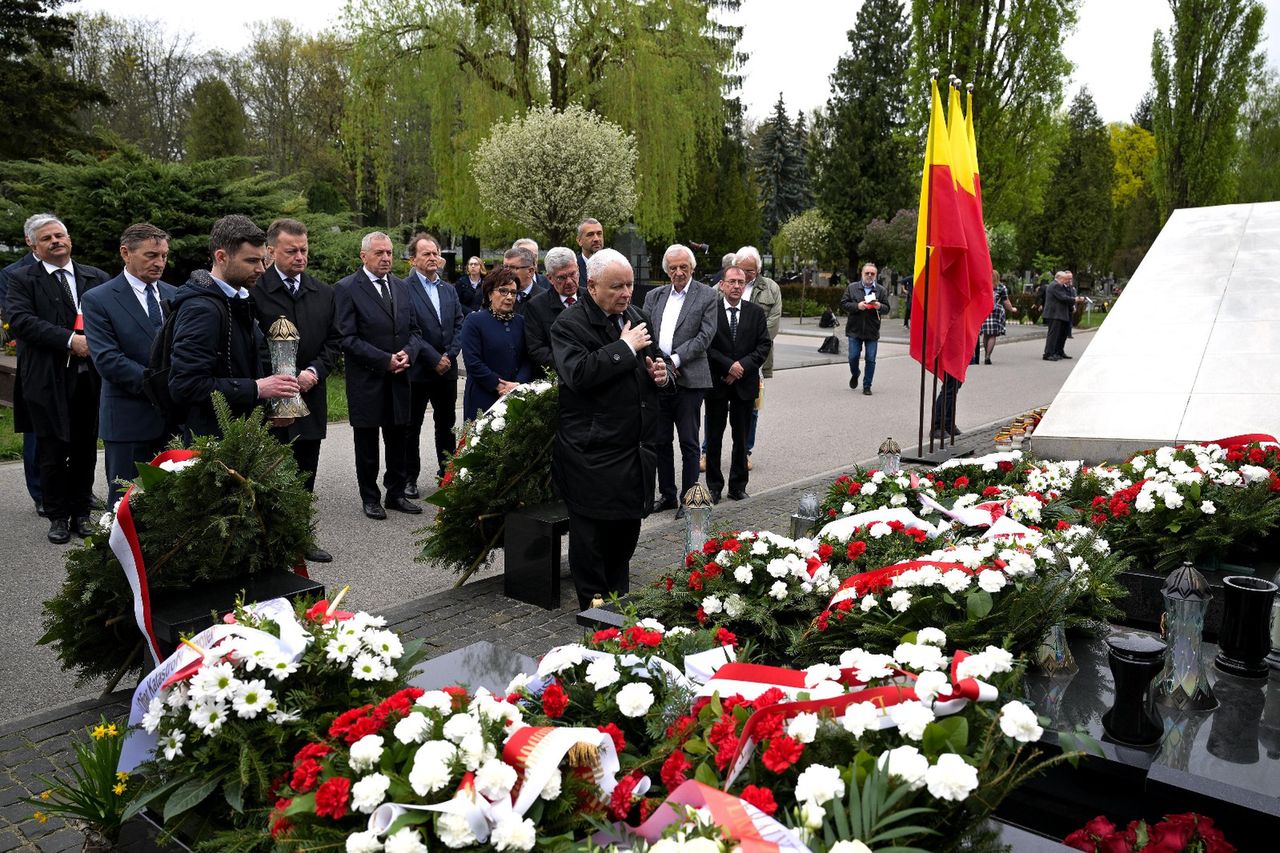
(842, 528)
(877, 580)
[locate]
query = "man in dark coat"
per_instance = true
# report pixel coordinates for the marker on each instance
(30, 465)
(737, 353)
(121, 320)
(590, 241)
(285, 290)
(604, 457)
(866, 301)
(59, 387)
(217, 345)
(381, 339)
(545, 308)
(1059, 304)
(433, 379)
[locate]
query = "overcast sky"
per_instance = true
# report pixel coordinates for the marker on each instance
(793, 44)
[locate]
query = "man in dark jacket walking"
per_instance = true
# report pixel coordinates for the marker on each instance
(604, 459)
(866, 301)
(216, 342)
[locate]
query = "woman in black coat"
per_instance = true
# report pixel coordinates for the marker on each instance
(469, 285)
(493, 345)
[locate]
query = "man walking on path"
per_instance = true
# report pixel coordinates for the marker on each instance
(866, 301)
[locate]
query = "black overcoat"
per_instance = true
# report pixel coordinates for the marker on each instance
(370, 335)
(604, 459)
(42, 317)
(312, 311)
(541, 312)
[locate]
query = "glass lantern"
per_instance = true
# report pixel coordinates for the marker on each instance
(697, 517)
(1184, 681)
(890, 457)
(282, 341)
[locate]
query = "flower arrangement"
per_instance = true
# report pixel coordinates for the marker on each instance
(97, 794)
(1179, 833)
(503, 461)
(251, 512)
(227, 711)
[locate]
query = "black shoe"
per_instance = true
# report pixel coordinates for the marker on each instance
(1063, 355)
(319, 555)
(1051, 357)
(82, 528)
(988, 361)
(375, 510)
(404, 505)
(411, 491)
(59, 531)
(866, 392)
(40, 509)
(853, 383)
(739, 496)
(665, 504)
(715, 497)
(681, 513)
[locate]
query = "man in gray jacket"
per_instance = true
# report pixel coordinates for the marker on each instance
(683, 316)
(866, 301)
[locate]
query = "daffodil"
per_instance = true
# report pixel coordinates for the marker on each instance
(41, 817)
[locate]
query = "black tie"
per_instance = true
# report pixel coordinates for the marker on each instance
(733, 324)
(292, 284)
(386, 292)
(153, 307)
(65, 280)
(617, 322)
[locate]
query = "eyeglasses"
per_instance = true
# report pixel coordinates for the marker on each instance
(505, 291)
(513, 267)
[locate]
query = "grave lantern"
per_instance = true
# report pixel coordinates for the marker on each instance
(890, 457)
(805, 517)
(697, 517)
(282, 340)
(1184, 681)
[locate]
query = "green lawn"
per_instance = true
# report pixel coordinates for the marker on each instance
(10, 441)
(336, 390)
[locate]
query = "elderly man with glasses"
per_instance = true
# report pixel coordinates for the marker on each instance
(524, 264)
(545, 308)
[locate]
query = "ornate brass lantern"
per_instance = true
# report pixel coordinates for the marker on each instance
(282, 340)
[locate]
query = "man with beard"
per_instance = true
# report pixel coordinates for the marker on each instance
(217, 345)
(603, 460)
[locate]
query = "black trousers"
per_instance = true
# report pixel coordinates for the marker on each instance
(442, 395)
(306, 452)
(67, 468)
(680, 413)
(730, 407)
(600, 551)
(1057, 337)
(944, 407)
(121, 458)
(393, 480)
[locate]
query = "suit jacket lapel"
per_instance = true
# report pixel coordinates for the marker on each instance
(125, 296)
(372, 289)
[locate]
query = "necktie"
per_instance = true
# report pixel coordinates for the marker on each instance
(65, 281)
(292, 284)
(385, 291)
(153, 307)
(569, 300)
(520, 296)
(733, 324)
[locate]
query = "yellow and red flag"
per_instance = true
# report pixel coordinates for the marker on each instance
(960, 343)
(940, 290)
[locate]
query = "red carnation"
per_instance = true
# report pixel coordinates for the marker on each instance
(856, 549)
(620, 800)
(710, 546)
(554, 700)
(1005, 466)
(712, 570)
(725, 637)
(724, 728)
(825, 551)
(312, 750)
(695, 580)
(1098, 518)
(772, 696)
(897, 525)
(675, 770)
(670, 583)
(607, 634)
(690, 559)
(343, 722)
(1257, 455)
(305, 775)
(962, 481)
(761, 798)
(332, 796)
(917, 534)
(1236, 455)
(769, 726)
(612, 730)
(279, 824)
(726, 752)
(823, 620)
(782, 753)
(731, 545)
(682, 727)
(854, 487)
(1063, 525)
(831, 513)
(991, 492)
(700, 615)
(401, 701)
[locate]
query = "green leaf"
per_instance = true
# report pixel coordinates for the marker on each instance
(301, 805)
(950, 734)
(695, 746)
(150, 476)
(409, 818)
(706, 775)
(144, 798)
(978, 603)
(1174, 526)
(189, 796)
(234, 792)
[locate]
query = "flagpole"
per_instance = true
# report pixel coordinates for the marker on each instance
(928, 251)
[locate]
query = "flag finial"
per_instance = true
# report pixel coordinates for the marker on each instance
(933, 73)
(969, 87)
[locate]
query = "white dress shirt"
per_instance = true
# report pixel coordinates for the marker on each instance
(670, 319)
(140, 291)
(71, 279)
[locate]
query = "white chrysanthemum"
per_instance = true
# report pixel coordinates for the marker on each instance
(209, 717)
(635, 699)
(437, 700)
(992, 580)
(251, 698)
(155, 713)
(341, 649)
(803, 727)
(906, 763)
(279, 668)
(369, 792)
(214, 683)
(859, 717)
(911, 718)
(495, 779)
(384, 643)
(172, 744)
(919, 657)
(819, 784)
(431, 767)
(951, 778)
(366, 752)
(513, 833)
(1020, 723)
(900, 600)
(368, 667)
(602, 672)
(406, 840)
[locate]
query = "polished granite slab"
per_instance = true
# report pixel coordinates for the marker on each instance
(481, 664)
(1190, 352)
(1223, 763)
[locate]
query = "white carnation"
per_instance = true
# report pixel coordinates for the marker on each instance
(803, 727)
(951, 778)
(900, 600)
(369, 792)
(992, 580)
(819, 784)
(859, 717)
(778, 590)
(635, 699)
(495, 779)
(431, 767)
(602, 672)
(906, 763)
(455, 830)
(1020, 723)
(911, 718)
(366, 752)
(513, 833)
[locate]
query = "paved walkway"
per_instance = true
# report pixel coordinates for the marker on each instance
(812, 427)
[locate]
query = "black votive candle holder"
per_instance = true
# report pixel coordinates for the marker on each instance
(1245, 637)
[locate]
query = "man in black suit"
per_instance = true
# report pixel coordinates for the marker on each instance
(121, 320)
(59, 387)
(523, 263)
(540, 281)
(545, 308)
(433, 378)
(738, 350)
(380, 337)
(285, 290)
(216, 342)
(30, 465)
(604, 457)
(590, 241)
